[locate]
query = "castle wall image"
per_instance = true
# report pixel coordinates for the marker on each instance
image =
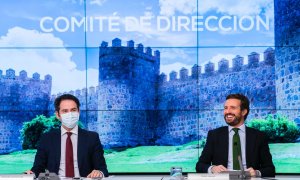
(22, 98)
(138, 106)
(127, 93)
(191, 103)
(134, 104)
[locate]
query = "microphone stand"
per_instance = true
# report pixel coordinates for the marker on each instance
(243, 173)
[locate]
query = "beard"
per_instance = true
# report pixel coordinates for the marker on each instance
(236, 119)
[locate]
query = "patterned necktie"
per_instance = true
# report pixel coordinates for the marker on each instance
(236, 149)
(69, 157)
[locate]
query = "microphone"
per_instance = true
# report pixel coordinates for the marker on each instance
(240, 174)
(47, 173)
(48, 176)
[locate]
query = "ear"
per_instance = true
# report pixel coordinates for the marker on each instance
(57, 115)
(244, 112)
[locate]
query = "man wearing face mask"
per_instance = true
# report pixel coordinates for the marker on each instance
(70, 151)
(225, 144)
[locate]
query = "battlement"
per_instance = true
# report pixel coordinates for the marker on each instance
(79, 92)
(11, 74)
(118, 49)
(223, 66)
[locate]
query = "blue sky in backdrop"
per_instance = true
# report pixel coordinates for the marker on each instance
(37, 36)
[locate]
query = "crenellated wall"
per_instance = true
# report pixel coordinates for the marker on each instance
(22, 98)
(134, 105)
(185, 100)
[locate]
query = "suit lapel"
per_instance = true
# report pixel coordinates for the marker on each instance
(57, 147)
(79, 147)
(225, 145)
(250, 144)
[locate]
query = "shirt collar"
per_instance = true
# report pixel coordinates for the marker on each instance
(242, 128)
(73, 131)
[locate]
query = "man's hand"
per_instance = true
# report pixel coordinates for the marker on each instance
(218, 169)
(95, 174)
(28, 172)
(251, 171)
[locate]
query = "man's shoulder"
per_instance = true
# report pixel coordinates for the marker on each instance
(220, 129)
(87, 132)
(52, 132)
(254, 131)
(52, 135)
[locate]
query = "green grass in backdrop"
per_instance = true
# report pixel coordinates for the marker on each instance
(286, 158)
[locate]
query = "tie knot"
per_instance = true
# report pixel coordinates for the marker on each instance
(69, 134)
(235, 130)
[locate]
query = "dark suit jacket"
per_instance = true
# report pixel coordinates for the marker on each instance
(216, 150)
(89, 153)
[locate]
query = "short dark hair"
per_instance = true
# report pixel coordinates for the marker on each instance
(65, 97)
(244, 102)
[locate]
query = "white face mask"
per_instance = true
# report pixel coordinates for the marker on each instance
(70, 119)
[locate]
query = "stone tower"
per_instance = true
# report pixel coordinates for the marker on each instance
(128, 79)
(287, 42)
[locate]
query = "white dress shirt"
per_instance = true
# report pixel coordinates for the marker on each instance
(74, 139)
(242, 134)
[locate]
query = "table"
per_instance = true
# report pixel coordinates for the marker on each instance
(137, 177)
(166, 177)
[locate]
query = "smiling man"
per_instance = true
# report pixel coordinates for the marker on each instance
(225, 144)
(70, 151)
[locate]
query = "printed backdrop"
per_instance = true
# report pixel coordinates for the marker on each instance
(152, 76)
